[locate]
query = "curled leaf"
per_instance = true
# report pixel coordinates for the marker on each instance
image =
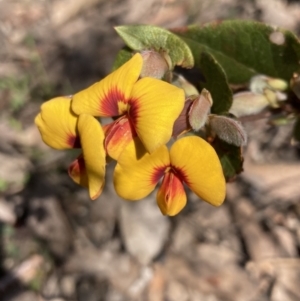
(146, 37)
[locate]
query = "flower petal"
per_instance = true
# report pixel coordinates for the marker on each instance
(118, 136)
(154, 107)
(58, 124)
(77, 172)
(199, 167)
(138, 172)
(92, 139)
(110, 96)
(171, 197)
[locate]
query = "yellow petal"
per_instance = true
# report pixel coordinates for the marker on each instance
(153, 110)
(110, 96)
(171, 197)
(77, 172)
(199, 167)
(58, 124)
(92, 138)
(138, 172)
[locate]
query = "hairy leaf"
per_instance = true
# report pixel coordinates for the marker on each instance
(142, 37)
(228, 129)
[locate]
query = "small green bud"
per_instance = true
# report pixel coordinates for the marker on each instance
(199, 110)
(227, 129)
(277, 84)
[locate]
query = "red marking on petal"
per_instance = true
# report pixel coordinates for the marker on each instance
(77, 166)
(109, 104)
(171, 197)
(77, 171)
(158, 174)
(180, 173)
(133, 111)
(118, 135)
(171, 186)
(73, 141)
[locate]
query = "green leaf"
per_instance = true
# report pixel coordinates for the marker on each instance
(215, 83)
(245, 48)
(231, 158)
(123, 56)
(297, 130)
(142, 37)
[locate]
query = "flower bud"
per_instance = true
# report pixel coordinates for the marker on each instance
(154, 64)
(248, 103)
(274, 97)
(271, 87)
(277, 84)
(259, 83)
(228, 130)
(180, 82)
(199, 110)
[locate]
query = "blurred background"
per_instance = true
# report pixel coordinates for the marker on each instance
(55, 244)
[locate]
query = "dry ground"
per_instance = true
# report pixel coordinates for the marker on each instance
(57, 245)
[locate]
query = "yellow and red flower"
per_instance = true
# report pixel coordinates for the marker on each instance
(144, 111)
(143, 107)
(191, 160)
(61, 129)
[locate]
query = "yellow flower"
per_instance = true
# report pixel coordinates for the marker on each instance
(61, 129)
(145, 107)
(191, 160)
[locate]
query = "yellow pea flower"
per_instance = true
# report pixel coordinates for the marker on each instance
(145, 107)
(61, 129)
(191, 160)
